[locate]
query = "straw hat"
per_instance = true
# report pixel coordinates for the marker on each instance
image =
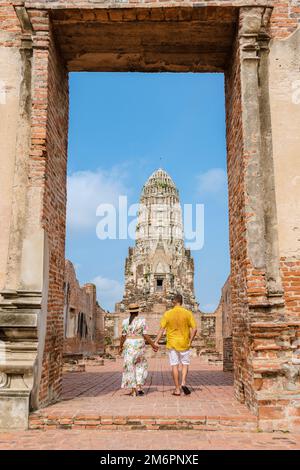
(133, 308)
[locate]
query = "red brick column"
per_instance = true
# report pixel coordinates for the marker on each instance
(265, 341)
(48, 169)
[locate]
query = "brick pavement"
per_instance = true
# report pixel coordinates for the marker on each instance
(95, 395)
(93, 399)
(146, 440)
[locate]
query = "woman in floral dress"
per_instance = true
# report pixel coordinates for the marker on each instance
(134, 338)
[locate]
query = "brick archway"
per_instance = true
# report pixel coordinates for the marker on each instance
(41, 44)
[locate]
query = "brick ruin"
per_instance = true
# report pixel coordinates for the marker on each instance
(208, 342)
(227, 327)
(209, 338)
(83, 317)
(256, 44)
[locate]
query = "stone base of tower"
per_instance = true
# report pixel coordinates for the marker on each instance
(204, 345)
(154, 303)
(152, 316)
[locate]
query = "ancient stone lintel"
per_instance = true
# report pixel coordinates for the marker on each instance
(19, 317)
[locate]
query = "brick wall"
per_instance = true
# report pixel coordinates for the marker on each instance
(48, 160)
(81, 306)
(10, 23)
(227, 354)
(206, 337)
(290, 270)
(227, 326)
(237, 222)
(285, 17)
(219, 333)
(255, 348)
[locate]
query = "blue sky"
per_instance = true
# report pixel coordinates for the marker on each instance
(123, 126)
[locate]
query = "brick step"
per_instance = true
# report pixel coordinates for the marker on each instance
(39, 420)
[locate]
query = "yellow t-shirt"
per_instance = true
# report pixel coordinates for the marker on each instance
(177, 323)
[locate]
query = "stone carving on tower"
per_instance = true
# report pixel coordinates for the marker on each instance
(159, 265)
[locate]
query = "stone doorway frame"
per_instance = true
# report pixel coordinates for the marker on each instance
(32, 300)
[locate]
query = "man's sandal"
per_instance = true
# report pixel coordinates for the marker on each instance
(186, 390)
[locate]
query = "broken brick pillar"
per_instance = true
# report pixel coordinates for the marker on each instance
(265, 339)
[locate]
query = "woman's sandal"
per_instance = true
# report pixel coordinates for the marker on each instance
(176, 394)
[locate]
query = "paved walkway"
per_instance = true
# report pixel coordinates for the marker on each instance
(94, 399)
(94, 413)
(146, 440)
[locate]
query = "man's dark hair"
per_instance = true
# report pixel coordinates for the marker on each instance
(178, 299)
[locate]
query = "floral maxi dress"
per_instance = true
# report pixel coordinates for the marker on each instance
(135, 369)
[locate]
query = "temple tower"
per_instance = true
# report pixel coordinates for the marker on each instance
(159, 265)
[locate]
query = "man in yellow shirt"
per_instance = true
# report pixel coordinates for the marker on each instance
(181, 329)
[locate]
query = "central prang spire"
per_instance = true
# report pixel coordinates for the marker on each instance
(159, 265)
(160, 215)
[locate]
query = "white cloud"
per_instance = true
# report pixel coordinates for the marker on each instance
(212, 181)
(109, 291)
(87, 189)
(209, 308)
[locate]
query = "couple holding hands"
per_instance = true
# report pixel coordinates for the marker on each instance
(180, 327)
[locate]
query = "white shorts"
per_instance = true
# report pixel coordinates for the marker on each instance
(179, 357)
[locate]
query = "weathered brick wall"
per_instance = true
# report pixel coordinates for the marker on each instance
(226, 309)
(290, 269)
(206, 337)
(48, 161)
(81, 300)
(237, 228)
(10, 23)
(257, 343)
(227, 326)
(285, 17)
(219, 328)
(227, 355)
